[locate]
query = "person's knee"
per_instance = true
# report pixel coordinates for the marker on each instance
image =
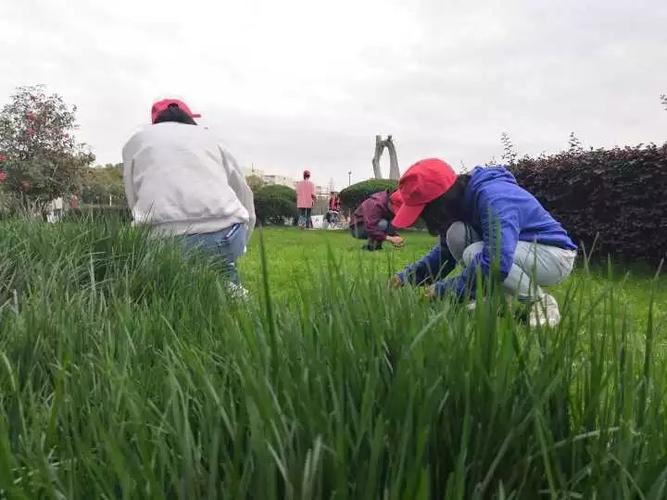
(471, 252)
(456, 239)
(548, 266)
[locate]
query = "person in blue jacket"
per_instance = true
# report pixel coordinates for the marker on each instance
(482, 216)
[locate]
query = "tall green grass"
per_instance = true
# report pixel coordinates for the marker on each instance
(126, 372)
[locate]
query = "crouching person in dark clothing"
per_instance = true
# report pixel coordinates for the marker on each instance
(372, 220)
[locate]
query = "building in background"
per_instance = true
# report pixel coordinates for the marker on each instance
(283, 180)
(247, 172)
(321, 191)
(278, 180)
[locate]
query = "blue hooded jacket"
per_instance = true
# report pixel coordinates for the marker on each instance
(494, 202)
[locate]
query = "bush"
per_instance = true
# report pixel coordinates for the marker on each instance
(351, 197)
(274, 204)
(616, 195)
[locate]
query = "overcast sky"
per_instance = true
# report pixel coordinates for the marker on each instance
(296, 84)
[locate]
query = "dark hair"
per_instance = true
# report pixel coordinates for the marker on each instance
(439, 214)
(174, 114)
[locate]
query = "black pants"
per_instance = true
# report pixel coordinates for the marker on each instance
(359, 231)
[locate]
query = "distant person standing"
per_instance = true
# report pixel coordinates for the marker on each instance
(305, 197)
(179, 181)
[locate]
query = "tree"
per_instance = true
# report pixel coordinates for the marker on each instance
(41, 158)
(255, 183)
(103, 183)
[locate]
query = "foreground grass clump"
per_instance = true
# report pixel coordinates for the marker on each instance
(127, 372)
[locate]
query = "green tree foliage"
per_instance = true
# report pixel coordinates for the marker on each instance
(351, 197)
(41, 159)
(101, 182)
(275, 204)
(255, 182)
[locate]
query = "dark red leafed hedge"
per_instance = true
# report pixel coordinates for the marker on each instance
(620, 195)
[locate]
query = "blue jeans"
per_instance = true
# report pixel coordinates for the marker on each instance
(535, 265)
(224, 246)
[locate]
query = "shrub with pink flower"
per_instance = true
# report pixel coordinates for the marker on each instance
(37, 133)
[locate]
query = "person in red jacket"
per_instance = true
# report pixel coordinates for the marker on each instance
(333, 211)
(372, 220)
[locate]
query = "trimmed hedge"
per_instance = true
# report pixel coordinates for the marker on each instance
(351, 197)
(617, 197)
(274, 204)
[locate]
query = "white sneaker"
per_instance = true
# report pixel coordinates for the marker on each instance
(544, 312)
(237, 291)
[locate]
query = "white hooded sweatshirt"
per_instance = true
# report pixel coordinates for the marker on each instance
(179, 180)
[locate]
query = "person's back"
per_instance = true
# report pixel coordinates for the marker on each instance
(496, 188)
(181, 180)
(305, 191)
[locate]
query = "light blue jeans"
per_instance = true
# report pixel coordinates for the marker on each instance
(535, 265)
(224, 246)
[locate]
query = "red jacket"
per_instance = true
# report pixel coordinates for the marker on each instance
(334, 204)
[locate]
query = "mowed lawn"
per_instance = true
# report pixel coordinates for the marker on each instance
(296, 260)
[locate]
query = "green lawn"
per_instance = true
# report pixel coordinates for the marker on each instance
(127, 372)
(296, 259)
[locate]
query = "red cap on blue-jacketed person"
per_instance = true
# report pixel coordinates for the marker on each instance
(422, 183)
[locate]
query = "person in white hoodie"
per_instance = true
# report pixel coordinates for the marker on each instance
(181, 182)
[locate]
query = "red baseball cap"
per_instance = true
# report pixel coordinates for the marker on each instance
(396, 200)
(160, 106)
(422, 183)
